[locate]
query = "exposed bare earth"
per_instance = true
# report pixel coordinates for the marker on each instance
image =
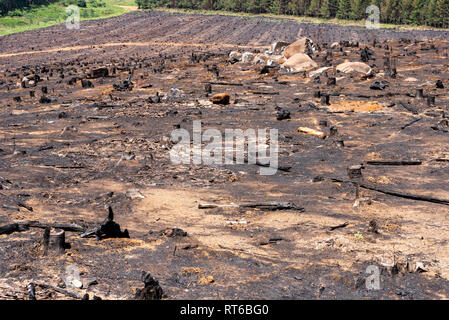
(68, 160)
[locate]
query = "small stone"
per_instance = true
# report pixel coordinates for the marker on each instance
(221, 98)
(89, 282)
(206, 280)
(134, 194)
(77, 283)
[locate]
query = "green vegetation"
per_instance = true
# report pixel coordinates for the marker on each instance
(434, 13)
(22, 15)
(39, 14)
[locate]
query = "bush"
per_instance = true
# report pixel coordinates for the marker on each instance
(87, 13)
(15, 13)
(70, 3)
(82, 3)
(97, 4)
(144, 4)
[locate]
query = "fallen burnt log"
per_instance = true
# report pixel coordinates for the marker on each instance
(443, 126)
(43, 225)
(397, 193)
(62, 291)
(265, 165)
(17, 202)
(265, 92)
(280, 168)
(11, 228)
(394, 163)
(103, 105)
(408, 107)
(411, 122)
(343, 225)
(226, 83)
(271, 206)
(108, 229)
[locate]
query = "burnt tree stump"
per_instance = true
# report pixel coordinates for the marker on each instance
(355, 172)
(54, 241)
(325, 99)
(152, 289)
(420, 93)
(333, 132)
(208, 88)
(107, 229)
(31, 291)
(355, 175)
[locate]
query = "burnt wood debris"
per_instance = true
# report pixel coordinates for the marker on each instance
(88, 183)
(107, 229)
(151, 291)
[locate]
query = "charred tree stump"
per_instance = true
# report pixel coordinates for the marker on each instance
(152, 289)
(108, 229)
(31, 291)
(431, 101)
(393, 73)
(333, 132)
(387, 65)
(356, 177)
(208, 88)
(419, 93)
(325, 99)
(54, 241)
(46, 240)
(355, 172)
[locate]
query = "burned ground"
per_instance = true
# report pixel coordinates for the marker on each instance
(67, 158)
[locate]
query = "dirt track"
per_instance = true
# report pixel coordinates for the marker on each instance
(70, 175)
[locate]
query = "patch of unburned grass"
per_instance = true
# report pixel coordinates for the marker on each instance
(55, 13)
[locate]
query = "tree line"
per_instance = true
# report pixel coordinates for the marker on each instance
(10, 5)
(433, 13)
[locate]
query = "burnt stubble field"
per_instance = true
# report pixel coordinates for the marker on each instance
(90, 129)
